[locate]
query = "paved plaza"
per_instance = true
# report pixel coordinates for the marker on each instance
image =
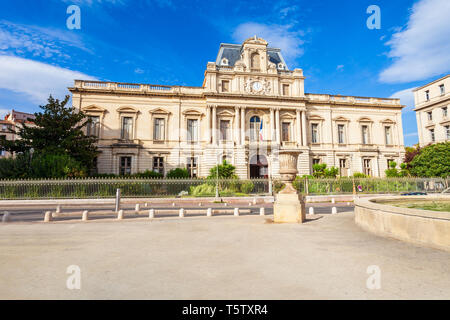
(222, 257)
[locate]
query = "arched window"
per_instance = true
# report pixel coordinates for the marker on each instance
(255, 61)
(255, 128)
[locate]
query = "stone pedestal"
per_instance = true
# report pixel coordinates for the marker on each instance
(289, 206)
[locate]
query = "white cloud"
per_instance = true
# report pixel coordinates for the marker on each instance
(406, 98)
(20, 39)
(35, 79)
(280, 36)
(422, 49)
(340, 67)
(412, 134)
(138, 71)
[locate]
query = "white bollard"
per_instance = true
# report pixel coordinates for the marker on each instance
(249, 204)
(58, 209)
(236, 212)
(151, 213)
(348, 203)
(181, 213)
(200, 204)
(6, 217)
(120, 215)
(254, 200)
(334, 210)
(173, 204)
(333, 200)
(138, 208)
(48, 216)
(225, 204)
(311, 211)
(209, 212)
(262, 211)
(146, 205)
(85, 216)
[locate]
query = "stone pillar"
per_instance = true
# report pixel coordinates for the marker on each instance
(304, 128)
(237, 132)
(208, 124)
(277, 125)
(243, 126)
(272, 125)
(299, 129)
(214, 124)
(289, 206)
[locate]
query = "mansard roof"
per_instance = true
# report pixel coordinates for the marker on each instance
(232, 52)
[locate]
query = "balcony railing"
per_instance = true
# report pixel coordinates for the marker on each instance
(352, 99)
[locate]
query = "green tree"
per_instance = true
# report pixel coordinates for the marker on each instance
(225, 170)
(321, 171)
(392, 171)
(432, 161)
(57, 130)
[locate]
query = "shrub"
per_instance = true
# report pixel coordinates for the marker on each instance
(202, 190)
(359, 175)
(56, 166)
(225, 170)
(178, 173)
(148, 174)
(247, 187)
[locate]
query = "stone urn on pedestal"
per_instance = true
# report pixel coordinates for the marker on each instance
(289, 206)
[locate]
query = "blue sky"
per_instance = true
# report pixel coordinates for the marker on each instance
(169, 42)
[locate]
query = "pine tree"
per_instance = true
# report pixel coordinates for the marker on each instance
(56, 130)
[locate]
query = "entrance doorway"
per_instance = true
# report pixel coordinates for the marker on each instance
(259, 167)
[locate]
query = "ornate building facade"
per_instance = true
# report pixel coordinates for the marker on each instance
(432, 104)
(249, 107)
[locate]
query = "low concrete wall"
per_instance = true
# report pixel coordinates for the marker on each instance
(424, 227)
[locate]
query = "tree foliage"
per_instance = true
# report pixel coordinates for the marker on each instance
(57, 130)
(178, 173)
(321, 171)
(432, 161)
(225, 171)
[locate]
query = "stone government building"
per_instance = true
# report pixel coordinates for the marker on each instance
(249, 107)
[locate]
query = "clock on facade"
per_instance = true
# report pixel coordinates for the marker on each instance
(257, 86)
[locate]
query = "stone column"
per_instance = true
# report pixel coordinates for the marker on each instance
(277, 125)
(242, 125)
(272, 125)
(208, 124)
(214, 124)
(299, 128)
(304, 128)
(237, 132)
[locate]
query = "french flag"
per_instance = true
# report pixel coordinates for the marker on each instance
(261, 132)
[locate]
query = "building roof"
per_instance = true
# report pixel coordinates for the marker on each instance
(434, 81)
(19, 116)
(232, 52)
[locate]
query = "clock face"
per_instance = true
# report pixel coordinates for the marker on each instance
(257, 86)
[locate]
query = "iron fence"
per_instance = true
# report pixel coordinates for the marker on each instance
(106, 188)
(372, 185)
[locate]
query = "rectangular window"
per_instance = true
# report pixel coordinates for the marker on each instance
(343, 168)
(158, 165)
(125, 166)
(315, 161)
(432, 135)
(127, 128)
(159, 129)
(365, 134)
(442, 89)
(367, 167)
(388, 135)
(430, 115)
(93, 127)
(191, 166)
(389, 163)
(427, 95)
(225, 86)
(341, 133)
(444, 112)
(225, 130)
(285, 89)
(447, 132)
(286, 131)
(314, 133)
(192, 130)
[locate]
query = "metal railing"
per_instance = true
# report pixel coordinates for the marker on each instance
(371, 185)
(106, 188)
(131, 187)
